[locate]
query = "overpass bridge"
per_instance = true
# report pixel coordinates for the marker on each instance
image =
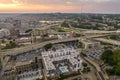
(109, 41)
(39, 45)
(34, 46)
(101, 32)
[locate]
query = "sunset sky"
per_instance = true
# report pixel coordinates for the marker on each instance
(67, 6)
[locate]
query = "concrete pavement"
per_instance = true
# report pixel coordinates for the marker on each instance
(110, 41)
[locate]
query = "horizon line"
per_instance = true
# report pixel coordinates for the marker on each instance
(58, 13)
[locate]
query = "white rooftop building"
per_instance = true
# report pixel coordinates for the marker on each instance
(61, 61)
(4, 33)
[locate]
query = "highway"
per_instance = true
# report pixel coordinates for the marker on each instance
(110, 41)
(97, 67)
(100, 32)
(39, 45)
(34, 46)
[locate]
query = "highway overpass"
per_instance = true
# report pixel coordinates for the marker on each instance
(39, 45)
(109, 41)
(100, 32)
(34, 46)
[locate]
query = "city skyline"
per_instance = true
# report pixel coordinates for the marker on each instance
(65, 6)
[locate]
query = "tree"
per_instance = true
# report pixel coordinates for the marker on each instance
(38, 79)
(88, 69)
(81, 44)
(112, 58)
(115, 37)
(48, 46)
(45, 35)
(54, 49)
(29, 30)
(106, 56)
(10, 45)
(65, 24)
(3, 41)
(60, 30)
(84, 64)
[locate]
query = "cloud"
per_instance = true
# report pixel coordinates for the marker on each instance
(62, 5)
(5, 1)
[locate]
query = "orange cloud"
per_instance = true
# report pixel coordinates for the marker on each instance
(59, 5)
(34, 8)
(17, 6)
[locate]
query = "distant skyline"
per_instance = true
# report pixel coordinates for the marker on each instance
(63, 6)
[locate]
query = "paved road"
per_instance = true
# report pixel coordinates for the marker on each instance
(38, 45)
(100, 32)
(101, 75)
(44, 74)
(93, 63)
(34, 46)
(114, 42)
(75, 77)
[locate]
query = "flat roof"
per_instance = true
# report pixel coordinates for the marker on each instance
(23, 63)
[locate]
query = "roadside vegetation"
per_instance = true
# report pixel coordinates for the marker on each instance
(39, 79)
(113, 59)
(48, 46)
(86, 68)
(65, 24)
(114, 37)
(10, 45)
(62, 76)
